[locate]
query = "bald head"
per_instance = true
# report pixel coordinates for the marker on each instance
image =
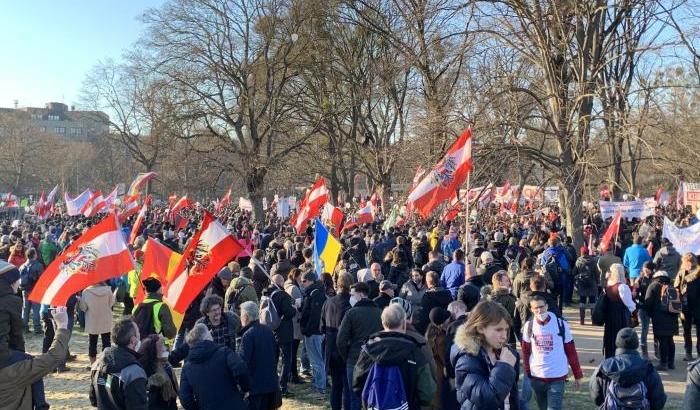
(376, 270)
(278, 280)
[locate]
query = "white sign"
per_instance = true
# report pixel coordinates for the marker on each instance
(628, 209)
(282, 208)
(551, 194)
(245, 204)
(691, 195)
(683, 239)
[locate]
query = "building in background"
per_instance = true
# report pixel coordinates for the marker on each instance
(56, 118)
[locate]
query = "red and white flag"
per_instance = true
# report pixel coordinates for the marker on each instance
(611, 232)
(75, 205)
(93, 205)
(110, 200)
(45, 205)
(362, 216)
(99, 254)
(139, 220)
(445, 178)
(40, 207)
(452, 210)
(332, 214)
(311, 207)
(140, 180)
(178, 215)
(208, 251)
(220, 204)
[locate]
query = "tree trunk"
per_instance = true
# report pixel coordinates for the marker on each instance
(383, 189)
(572, 196)
(255, 183)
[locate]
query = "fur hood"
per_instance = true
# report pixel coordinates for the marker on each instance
(467, 343)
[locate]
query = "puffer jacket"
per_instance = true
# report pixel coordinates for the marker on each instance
(481, 385)
(627, 368)
(131, 393)
(11, 325)
(241, 285)
(692, 387)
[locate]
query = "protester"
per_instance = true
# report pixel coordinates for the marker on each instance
(556, 263)
(436, 336)
(292, 287)
(643, 282)
(664, 322)
(486, 369)
(618, 307)
(501, 293)
(162, 382)
(435, 263)
(213, 374)
(220, 283)
(29, 274)
(586, 277)
(310, 322)
(374, 281)
(434, 296)
(635, 257)
(284, 334)
(11, 337)
(118, 381)
(386, 293)
(469, 293)
(547, 346)
(152, 315)
(259, 350)
(393, 349)
(688, 287)
(486, 270)
(332, 314)
(97, 301)
(667, 259)
(241, 290)
(414, 289)
(361, 321)
(452, 276)
(223, 325)
(627, 377)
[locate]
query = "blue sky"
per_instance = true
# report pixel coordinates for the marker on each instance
(48, 46)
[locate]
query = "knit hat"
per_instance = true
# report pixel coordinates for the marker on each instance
(439, 316)
(406, 305)
(225, 274)
(9, 272)
(151, 284)
(627, 339)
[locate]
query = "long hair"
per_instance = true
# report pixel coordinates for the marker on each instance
(484, 314)
(149, 354)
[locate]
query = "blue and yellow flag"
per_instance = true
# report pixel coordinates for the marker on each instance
(326, 250)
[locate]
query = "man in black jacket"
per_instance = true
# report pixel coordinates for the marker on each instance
(361, 321)
(117, 379)
(386, 293)
(435, 263)
(284, 334)
(310, 322)
(332, 315)
(432, 298)
(626, 369)
(468, 292)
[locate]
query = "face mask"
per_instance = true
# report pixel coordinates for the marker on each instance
(138, 346)
(164, 354)
(353, 300)
(542, 316)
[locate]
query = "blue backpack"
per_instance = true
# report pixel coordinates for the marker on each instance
(384, 389)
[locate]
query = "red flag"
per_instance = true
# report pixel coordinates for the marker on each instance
(99, 254)
(209, 250)
(158, 261)
(650, 249)
(311, 207)
(611, 232)
(445, 177)
(362, 216)
(140, 180)
(453, 209)
(139, 219)
(172, 198)
(129, 207)
(40, 207)
(332, 214)
(93, 204)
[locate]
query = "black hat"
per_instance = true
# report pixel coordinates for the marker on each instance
(627, 339)
(439, 315)
(151, 284)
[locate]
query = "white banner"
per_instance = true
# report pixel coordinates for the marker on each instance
(551, 194)
(282, 208)
(683, 239)
(245, 204)
(691, 195)
(628, 209)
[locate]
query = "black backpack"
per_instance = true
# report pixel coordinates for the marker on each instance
(552, 268)
(632, 397)
(586, 276)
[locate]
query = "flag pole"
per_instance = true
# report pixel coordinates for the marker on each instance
(466, 219)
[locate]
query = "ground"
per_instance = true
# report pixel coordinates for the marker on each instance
(69, 390)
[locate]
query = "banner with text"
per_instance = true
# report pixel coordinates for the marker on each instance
(692, 194)
(628, 209)
(683, 239)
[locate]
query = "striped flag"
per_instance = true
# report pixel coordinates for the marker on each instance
(75, 205)
(140, 180)
(326, 249)
(139, 220)
(158, 261)
(99, 254)
(93, 204)
(311, 206)
(208, 251)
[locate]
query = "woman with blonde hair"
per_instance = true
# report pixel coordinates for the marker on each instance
(486, 368)
(688, 287)
(617, 307)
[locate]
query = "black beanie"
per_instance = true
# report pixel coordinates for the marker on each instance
(9, 272)
(627, 339)
(439, 315)
(151, 284)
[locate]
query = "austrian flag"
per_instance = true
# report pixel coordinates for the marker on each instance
(98, 255)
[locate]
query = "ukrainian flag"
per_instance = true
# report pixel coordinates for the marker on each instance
(326, 250)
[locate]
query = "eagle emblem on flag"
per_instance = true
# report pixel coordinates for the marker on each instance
(198, 258)
(443, 173)
(81, 260)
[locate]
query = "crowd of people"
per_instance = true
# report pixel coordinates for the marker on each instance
(407, 319)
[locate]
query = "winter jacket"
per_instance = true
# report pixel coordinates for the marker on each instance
(560, 255)
(17, 257)
(34, 269)
(692, 387)
(664, 322)
(412, 293)
(16, 379)
(165, 317)
(280, 268)
(481, 385)
(310, 320)
(294, 291)
(485, 272)
(398, 274)
(688, 285)
(382, 300)
(213, 375)
(48, 250)
(284, 304)
(259, 352)
(332, 314)
(435, 297)
(359, 323)
(452, 277)
(668, 259)
(357, 251)
(97, 301)
(260, 280)
(247, 293)
(373, 288)
(233, 323)
(436, 266)
(521, 283)
(118, 363)
(216, 287)
(11, 325)
(627, 368)
(634, 259)
(586, 265)
(401, 350)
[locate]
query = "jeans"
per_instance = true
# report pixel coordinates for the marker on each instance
(354, 398)
(314, 348)
(286, 351)
(34, 308)
(525, 393)
(295, 351)
(305, 365)
(644, 322)
(92, 343)
(549, 395)
(340, 388)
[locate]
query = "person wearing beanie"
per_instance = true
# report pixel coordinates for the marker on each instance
(11, 325)
(626, 369)
(586, 279)
(220, 283)
(152, 316)
(663, 322)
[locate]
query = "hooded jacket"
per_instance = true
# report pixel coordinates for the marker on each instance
(481, 385)
(627, 368)
(359, 323)
(241, 285)
(96, 301)
(397, 349)
(668, 259)
(211, 376)
(128, 380)
(11, 325)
